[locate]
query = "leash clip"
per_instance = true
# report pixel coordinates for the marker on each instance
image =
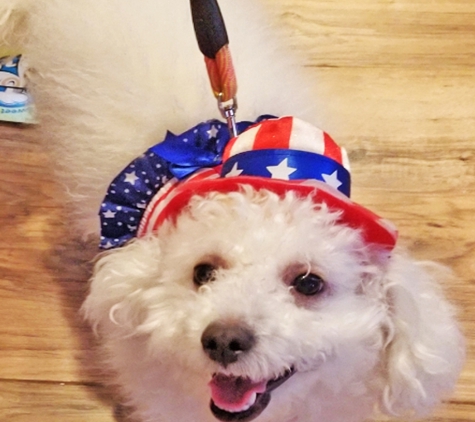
(228, 111)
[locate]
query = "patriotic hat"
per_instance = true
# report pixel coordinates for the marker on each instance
(277, 154)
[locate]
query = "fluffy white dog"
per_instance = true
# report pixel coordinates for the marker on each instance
(239, 298)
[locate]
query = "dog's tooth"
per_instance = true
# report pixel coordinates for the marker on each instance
(252, 399)
(250, 403)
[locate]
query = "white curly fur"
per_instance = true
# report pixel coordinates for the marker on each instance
(109, 78)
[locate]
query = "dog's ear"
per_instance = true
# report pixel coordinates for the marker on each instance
(425, 349)
(117, 286)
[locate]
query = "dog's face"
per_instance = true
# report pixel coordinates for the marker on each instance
(248, 297)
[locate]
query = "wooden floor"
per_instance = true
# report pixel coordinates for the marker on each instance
(401, 76)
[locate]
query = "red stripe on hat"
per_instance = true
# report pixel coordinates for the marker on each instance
(332, 150)
(229, 146)
(206, 173)
(374, 229)
(146, 223)
(154, 215)
(274, 134)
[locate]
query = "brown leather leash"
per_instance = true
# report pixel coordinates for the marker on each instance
(213, 42)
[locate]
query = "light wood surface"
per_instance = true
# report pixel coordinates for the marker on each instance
(400, 75)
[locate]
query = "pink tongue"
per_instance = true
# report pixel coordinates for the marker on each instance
(233, 393)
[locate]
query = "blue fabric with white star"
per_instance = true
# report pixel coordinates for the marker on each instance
(289, 164)
(177, 156)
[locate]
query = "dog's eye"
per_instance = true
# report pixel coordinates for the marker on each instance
(309, 284)
(203, 273)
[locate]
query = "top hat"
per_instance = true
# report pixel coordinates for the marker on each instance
(277, 154)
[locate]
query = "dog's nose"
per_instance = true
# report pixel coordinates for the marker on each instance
(225, 342)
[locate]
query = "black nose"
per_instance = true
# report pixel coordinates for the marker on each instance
(224, 342)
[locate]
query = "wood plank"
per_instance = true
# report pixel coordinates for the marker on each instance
(383, 33)
(54, 402)
(42, 282)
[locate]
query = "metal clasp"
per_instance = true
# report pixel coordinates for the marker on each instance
(228, 111)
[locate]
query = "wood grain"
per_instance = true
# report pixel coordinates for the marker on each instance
(55, 402)
(399, 76)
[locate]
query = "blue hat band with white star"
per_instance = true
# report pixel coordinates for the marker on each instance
(285, 164)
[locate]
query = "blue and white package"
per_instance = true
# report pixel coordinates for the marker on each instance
(15, 102)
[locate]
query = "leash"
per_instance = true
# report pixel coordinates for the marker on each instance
(213, 42)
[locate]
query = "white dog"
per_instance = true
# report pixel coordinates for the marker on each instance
(231, 295)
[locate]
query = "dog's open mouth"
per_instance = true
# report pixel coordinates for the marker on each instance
(242, 399)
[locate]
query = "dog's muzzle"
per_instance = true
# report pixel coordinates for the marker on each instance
(236, 398)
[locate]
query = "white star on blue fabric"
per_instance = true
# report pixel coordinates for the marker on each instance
(234, 171)
(109, 214)
(131, 178)
(212, 132)
(332, 179)
(281, 171)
